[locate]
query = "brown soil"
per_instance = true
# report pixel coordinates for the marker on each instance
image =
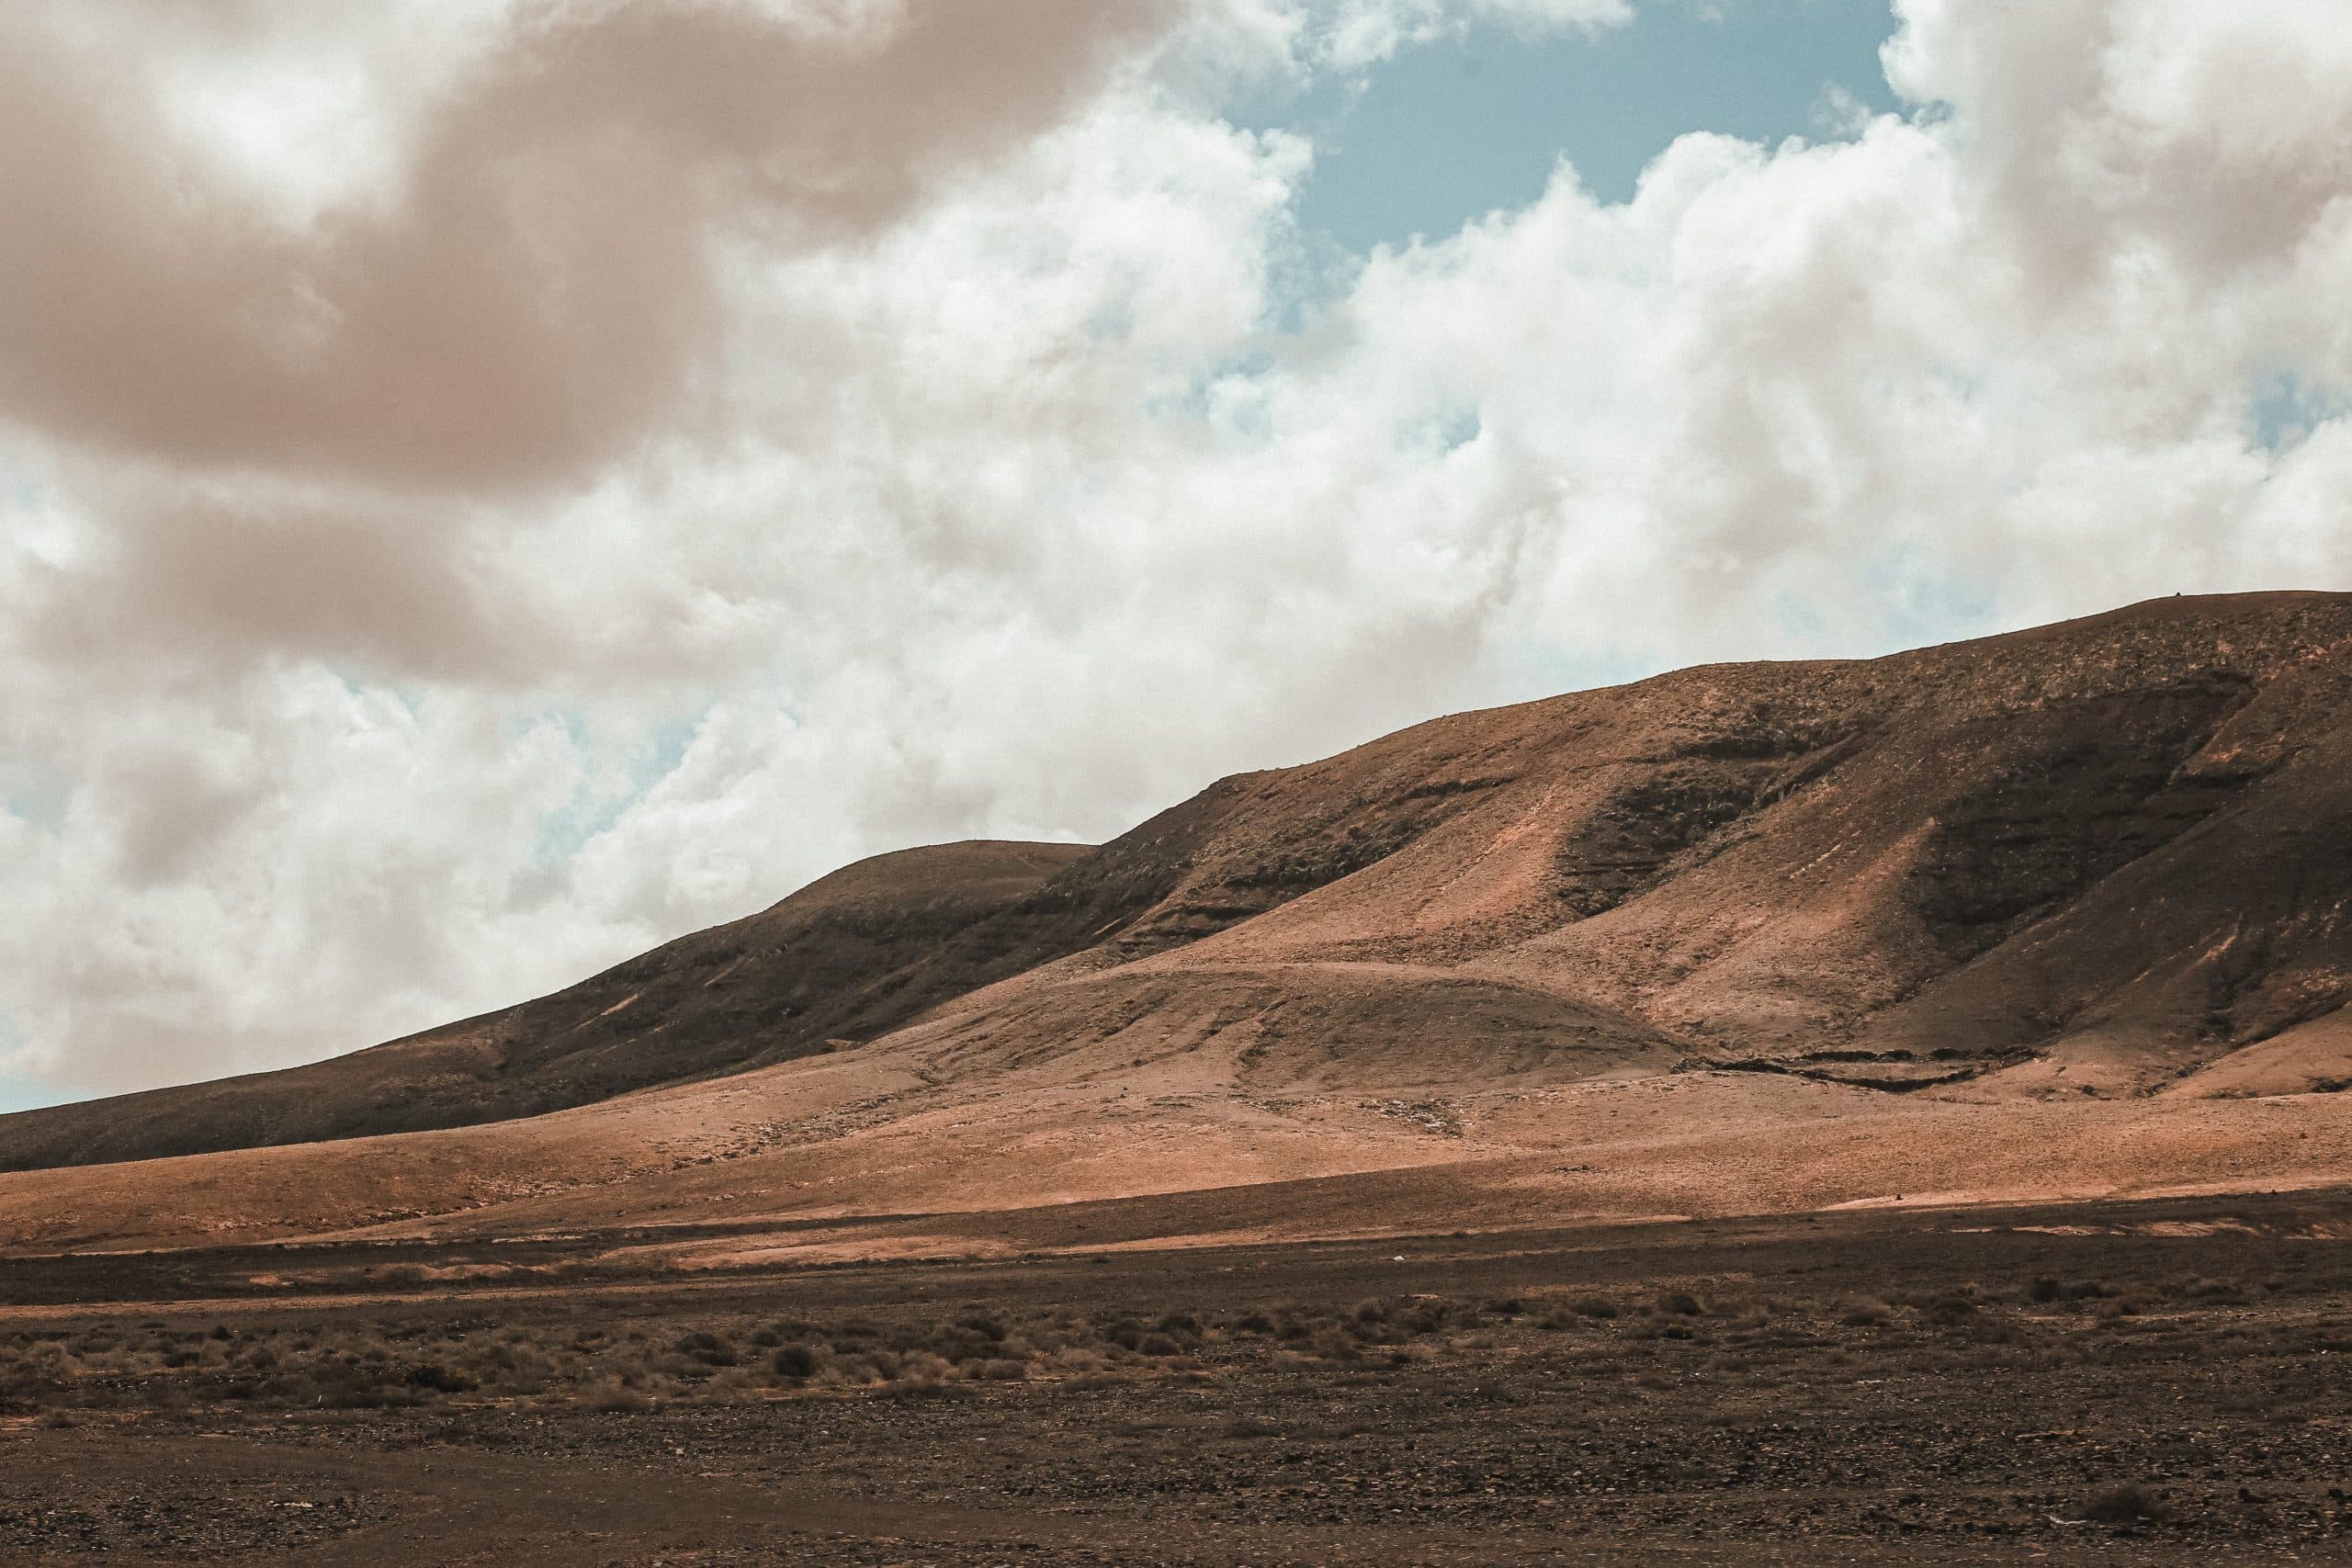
(2152, 1382)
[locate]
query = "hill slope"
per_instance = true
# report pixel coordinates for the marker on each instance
(847, 957)
(2102, 856)
(2108, 859)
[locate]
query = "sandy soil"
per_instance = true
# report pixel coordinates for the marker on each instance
(919, 1126)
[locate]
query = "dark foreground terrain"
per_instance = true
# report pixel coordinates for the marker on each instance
(2148, 1383)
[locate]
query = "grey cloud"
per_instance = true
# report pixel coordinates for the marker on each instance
(539, 293)
(172, 807)
(200, 581)
(193, 583)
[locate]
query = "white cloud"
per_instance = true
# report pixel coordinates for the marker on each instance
(1008, 510)
(1354, 33)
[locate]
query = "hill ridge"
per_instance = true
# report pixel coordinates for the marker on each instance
(2100, 857)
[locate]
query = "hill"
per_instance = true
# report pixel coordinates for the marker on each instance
(2058, 911)
(847, 957)
(2101, 857)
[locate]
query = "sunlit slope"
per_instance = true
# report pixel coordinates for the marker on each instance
(2102, 856)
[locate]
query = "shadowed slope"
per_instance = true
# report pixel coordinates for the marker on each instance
(847, 957)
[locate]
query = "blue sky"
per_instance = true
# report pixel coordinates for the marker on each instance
(1450, 130)
(18, 1092)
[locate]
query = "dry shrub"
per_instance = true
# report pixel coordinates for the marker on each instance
(735, 1385)
(1947, 1312)
(796, 1360)
(1428, 1315)
(435, 1378)
(852, 1372)
(397, 1274)
(610, 1396)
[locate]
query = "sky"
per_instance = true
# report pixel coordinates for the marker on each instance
(489, 485)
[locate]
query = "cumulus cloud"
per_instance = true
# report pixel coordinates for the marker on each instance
(533, 291)
(654, 453)
(1353, 33)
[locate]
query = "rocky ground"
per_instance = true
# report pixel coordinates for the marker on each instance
(2159, 1382)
